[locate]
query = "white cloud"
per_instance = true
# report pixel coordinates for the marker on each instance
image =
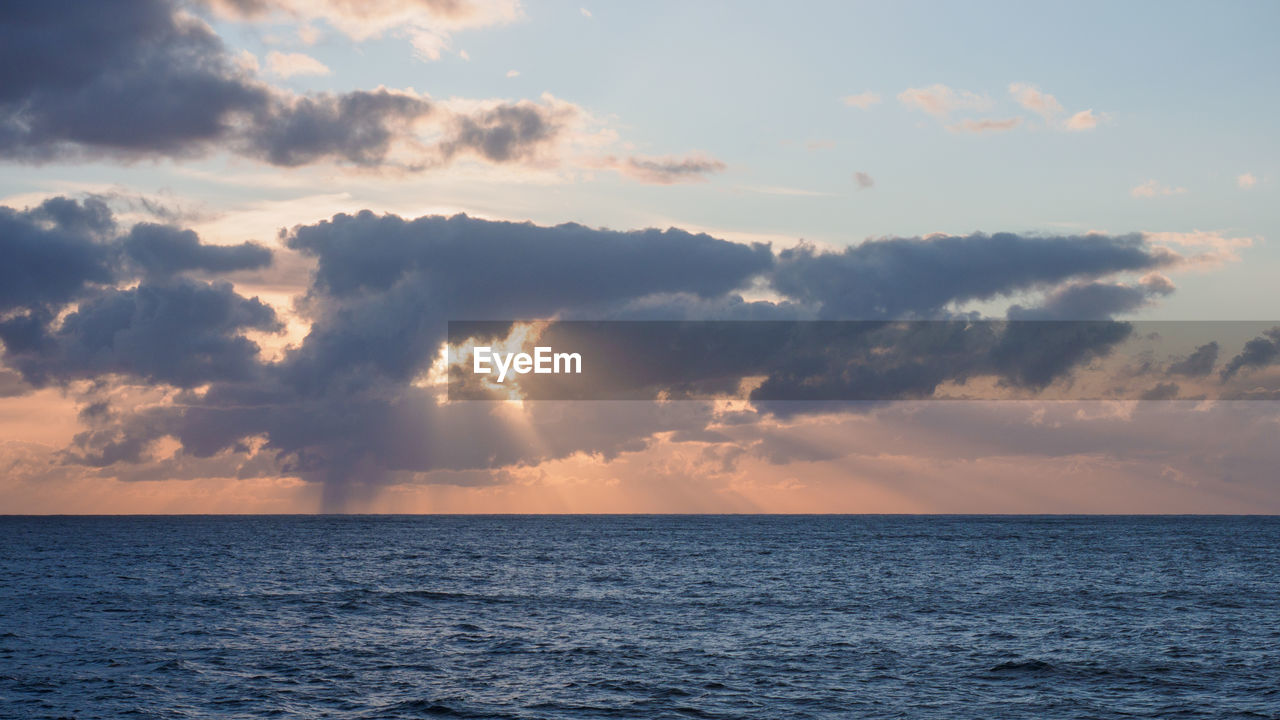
(1211, 247)
(585, 12)
(1031, 98)
(1083, 120)
(429, 24)
(940, 101)
(1041, 103)
(287, 65)
(862, 100)
(1246, 181)
(1153, 188)
(513, 73)
(986, 125)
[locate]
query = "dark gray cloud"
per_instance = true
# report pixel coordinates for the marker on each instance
(136, 78)
(118, 78)
(53, 252)
(1161, 391)
(57, 250)
(357, 127)
(1258, 352)
(142, 78)
(343, 406)
(1198, 363)
(503, 134)
(163, 250)
(384, 286)
(919, 277)
(167, 329)
(1094, 300)
(182, 333)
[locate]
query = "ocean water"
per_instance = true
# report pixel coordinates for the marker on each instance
(640, 617)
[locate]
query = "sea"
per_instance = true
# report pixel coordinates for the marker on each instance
(683, 616)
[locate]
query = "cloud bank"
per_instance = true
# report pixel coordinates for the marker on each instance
(352, 405)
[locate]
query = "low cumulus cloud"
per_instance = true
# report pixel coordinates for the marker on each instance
(138, 78)
(506, 133)
(138, 305)
(1096, 300)
(143, 79)
(1257, 353)
(1197, 364)
(900, 278)
(349, 406)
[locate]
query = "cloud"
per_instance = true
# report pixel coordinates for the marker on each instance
(1153, 188)
(919, 277)
(862, 100)
(140, 79)
(1162, 391)
(1095, 300)
(1199, 363)
(147, 80)
(1215, 246)
(163, 251)
(180, 332)
(863, 181)
(1083, 120)
(1258, 352)
(53, 253)
(287, 65)
(1031, 98)
(62, 249)
(428, 24)
(513, 73)
(168, 328)
(1246, 181)
(940, 101)
(351, 405)
(585, 12)
(1047, 107)
(154, 82)
(986, 125)
(667, 170)
(359, 127)
(508, 132)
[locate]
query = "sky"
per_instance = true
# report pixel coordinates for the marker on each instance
(234, 232)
